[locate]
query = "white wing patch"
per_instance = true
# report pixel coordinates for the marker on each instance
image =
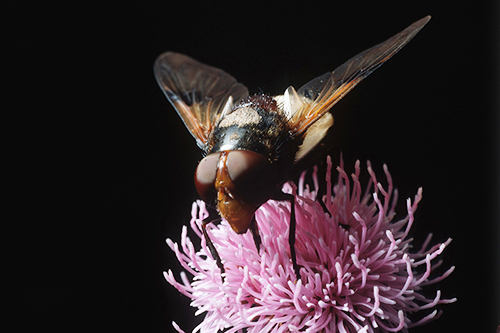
(314, 134)
(291, 104)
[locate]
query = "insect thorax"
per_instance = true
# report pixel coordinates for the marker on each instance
(254, 124)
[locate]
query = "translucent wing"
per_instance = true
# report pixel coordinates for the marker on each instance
(199, 93)
(315, 98)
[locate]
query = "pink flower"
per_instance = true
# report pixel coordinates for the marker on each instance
(358, 271)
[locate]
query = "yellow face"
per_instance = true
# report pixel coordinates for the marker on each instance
(237, 213)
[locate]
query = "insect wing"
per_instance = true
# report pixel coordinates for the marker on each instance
(316, 97)
(199, 93)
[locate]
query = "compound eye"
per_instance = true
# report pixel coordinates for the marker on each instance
(204, 177)
(253, 176)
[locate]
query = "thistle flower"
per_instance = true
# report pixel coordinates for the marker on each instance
(358, 273)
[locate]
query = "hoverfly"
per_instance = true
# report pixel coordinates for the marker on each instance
(252, 144)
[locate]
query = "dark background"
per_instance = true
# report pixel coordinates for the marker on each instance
(102, 167)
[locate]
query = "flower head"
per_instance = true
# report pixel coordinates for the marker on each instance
(357, 271)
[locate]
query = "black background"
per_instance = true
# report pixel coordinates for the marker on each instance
(102, 167)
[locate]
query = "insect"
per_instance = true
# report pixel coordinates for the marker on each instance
(252, 144)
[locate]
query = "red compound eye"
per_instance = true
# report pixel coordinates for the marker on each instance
(252, 175)
(204, 177)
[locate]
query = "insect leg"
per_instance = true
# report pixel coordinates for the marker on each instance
(211, 247)
(291, 234)
(319, 198)
(255, 233)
